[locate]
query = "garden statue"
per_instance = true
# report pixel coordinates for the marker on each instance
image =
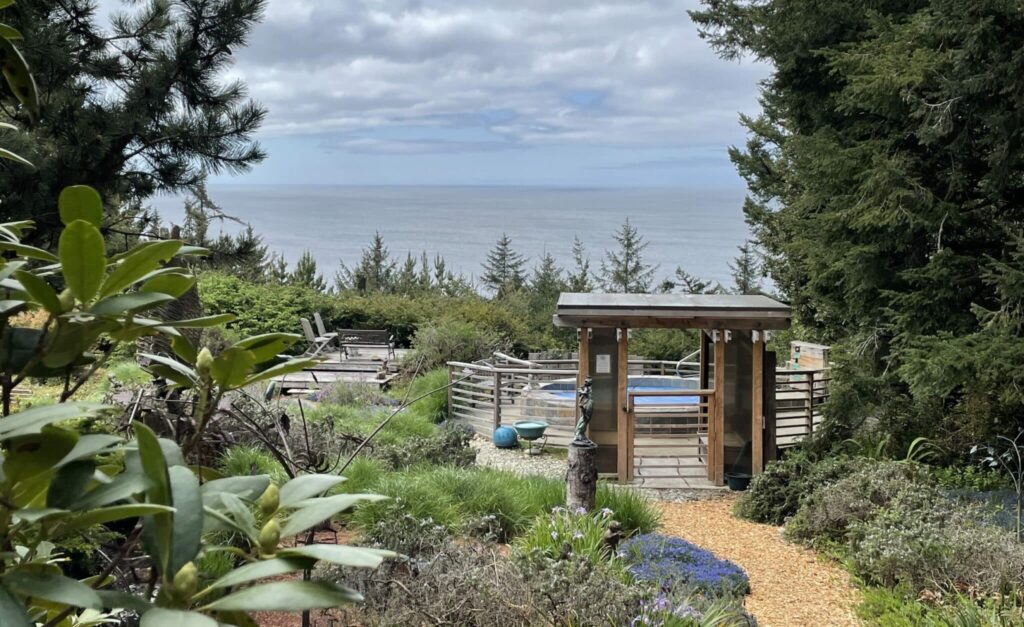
(586, 404)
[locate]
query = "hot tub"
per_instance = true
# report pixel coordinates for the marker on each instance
(565, 390)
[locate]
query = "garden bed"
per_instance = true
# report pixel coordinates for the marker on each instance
(790, 586)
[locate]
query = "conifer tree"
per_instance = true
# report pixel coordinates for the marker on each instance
(375, 272)
(407, 280)
(746, 270)
(546, 284)
(134, 107)
(503, 270)
(623, 269)
(579, 280)
(277, 270)
(305, 273)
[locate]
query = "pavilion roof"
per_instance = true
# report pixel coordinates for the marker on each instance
(683, 311)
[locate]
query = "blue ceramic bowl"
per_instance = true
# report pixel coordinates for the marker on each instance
(506, 437)
(530, 429)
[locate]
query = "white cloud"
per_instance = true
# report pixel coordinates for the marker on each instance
(613, 72)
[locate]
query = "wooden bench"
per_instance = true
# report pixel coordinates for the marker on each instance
(367, 338)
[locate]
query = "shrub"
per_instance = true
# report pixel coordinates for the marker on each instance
(826, 515)
(435, 406)
(352, 393)
(448, 446)
(629, 507)
(667, 611)
(563, 533)
(405, 534)
(900, 607)
(675, 564)
(450, 339)
(925, 541)
(775, 494)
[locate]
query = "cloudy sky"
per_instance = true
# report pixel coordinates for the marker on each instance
(524, 92)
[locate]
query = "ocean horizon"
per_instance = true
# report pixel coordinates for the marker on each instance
(698, 229)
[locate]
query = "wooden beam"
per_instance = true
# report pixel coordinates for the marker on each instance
(705, 361)
(622, 423)
(665, 322)
(757, 398)
(716, 429)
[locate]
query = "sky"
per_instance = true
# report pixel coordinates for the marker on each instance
(493, 92)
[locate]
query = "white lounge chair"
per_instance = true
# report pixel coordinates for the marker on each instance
(321, 329)
(317, 343)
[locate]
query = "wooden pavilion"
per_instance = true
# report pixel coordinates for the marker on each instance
(732, 429)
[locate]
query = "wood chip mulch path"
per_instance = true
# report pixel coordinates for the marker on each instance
(790, 585)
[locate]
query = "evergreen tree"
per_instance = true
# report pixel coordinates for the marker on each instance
(407, 280)
(132, 108)
(623, 269)
(243, 255)
(689, 284)
(579, 279)
(503, 270)
(375, 272)
(546, 284)
(277, 270)
(883, 172)
(746, 271)
(305, 273)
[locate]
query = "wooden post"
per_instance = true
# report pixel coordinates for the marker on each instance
(623, 442)
(810, 402)
(451, 378)
(581, 477)
(497, 399)
(703, 370)
(717, 427)
(757, 398)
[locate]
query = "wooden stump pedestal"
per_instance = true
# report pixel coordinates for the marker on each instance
(581, 477)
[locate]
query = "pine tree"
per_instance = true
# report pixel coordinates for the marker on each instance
(623, 269)
(277, 270)
(579, 280)
(746, 270)
(689, 284)
(375, 272)
(305, 273)
(407, 280)
(546, 284)
(132, 108)
(503, 270)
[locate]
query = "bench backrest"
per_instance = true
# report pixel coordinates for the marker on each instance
(364, 337)
(307, 330)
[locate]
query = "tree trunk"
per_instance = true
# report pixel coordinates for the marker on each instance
(581, 477)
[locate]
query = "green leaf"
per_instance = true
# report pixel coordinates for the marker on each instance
(29, 251)
(123, 303)
(306, 486)
(34, 454)
(18, 76)
(188, 517)
(171, 375)
(261, 570)
(12, 612)
(52, 587)
(248, 487)
(340, 554)
(174, 365)
(201, 323)
(184, 349)
(160, 617)
(83, 259)
(157, 529)
(9, 32)
(116, 512)
(269, 345)
(139, 262)
(123, 487)
(32, 420)
(174, 284)
(288, 367)
(231, 367)
(89, 445)
(287, 596)
(40, 291)
(13, 156)
(69, 483)
(125, 600)
(80, 202)
(318, 510)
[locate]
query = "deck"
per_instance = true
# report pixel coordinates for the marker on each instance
(368, 366)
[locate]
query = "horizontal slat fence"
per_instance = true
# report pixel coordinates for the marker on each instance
(799, 396)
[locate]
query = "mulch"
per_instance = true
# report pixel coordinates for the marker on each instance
(790, 585)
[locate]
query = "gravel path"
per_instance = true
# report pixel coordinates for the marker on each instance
(790, 586)
(516, 459)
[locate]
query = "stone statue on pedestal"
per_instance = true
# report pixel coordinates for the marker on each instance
(585, 402)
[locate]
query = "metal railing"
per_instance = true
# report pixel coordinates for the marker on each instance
(669, 440)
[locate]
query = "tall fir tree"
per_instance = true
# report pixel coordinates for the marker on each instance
(623, 269)
(746, 270)
(375, 272)
(503, 270)
(579, 280)
(134, 107)
(546, 283)
(305, 273)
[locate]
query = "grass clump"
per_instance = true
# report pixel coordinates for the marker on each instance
(242, 460)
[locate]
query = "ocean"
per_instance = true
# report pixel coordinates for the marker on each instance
(696, 229)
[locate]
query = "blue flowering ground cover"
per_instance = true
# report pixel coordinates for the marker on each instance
(675, 564)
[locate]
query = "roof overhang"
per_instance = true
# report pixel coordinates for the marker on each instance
(671, 311)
